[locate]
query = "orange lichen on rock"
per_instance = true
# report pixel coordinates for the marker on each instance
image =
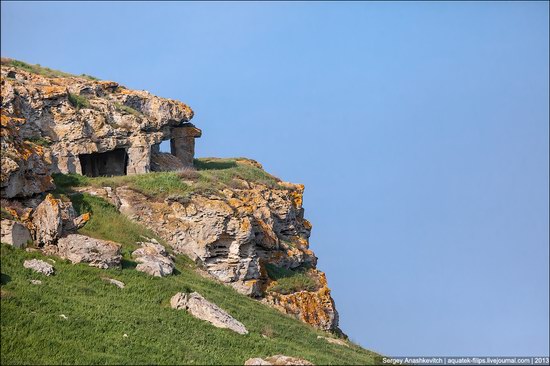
(25, 165)
(53, 91)
(312, 307)
(298, 195)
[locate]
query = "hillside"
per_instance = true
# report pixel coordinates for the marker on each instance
(142, 256)
(99, 314)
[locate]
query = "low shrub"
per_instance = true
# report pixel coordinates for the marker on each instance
(288, 281)
(127, 109)
(79, 101)
(39, 141)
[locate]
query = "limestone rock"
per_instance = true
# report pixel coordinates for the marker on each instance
(52, 218)
(117, 283)
(337, 341)
(277, 360)
(236, 235)
(14, 233)
(80, 221)
(201, 308)
(39, 266)
(25, 165)
(256, 362)
(83, 249)
(313, 307)
(47, 221)
(76, 119)
(153, 259)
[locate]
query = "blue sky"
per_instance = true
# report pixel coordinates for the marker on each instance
(419, 129)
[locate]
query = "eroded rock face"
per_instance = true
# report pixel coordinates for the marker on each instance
(39, 266)
(235, 235)
(59, 122)
(14, 233)
(25, 165)
(277, 360)
(77, 125)
(153, 259)
(313, 307)
(201, 308)
(83, 249)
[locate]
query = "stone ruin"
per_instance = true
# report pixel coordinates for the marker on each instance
(88, 127)
(130, 159)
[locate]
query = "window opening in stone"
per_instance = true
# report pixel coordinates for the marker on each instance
(163, 159)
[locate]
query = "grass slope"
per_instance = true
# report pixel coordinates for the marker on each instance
(211, 175)
(41, 70)
(99, 314)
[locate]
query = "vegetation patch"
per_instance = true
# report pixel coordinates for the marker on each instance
(79, 101)
(211, 176)
(288, 281)
(41, 70)
(216, 174)
(128, 110)
(102, 324)
(107, 223)
(155, 185)
(39, 141)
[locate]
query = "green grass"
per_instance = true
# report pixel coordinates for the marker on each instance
(99, 314)
(289, 281)
(156, 185)
(129, 110)
(212, 176)
(79, 101)
(218, 173)
(41, 70)
(107, 223)
(39, 141)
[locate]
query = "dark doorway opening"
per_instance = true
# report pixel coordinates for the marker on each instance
(104, 164)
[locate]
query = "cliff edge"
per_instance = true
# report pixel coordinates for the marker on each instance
(83, 179)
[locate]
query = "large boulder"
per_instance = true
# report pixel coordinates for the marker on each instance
(83, 249)
(276, 360)
(47, 221)
(14, 233)
(39, 266)
(52, 218)
(201, 308)
(153, 259)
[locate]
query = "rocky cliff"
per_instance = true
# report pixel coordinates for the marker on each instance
(246, 232)
(90, 127)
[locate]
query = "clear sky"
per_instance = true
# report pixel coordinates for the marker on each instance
(419, 129)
